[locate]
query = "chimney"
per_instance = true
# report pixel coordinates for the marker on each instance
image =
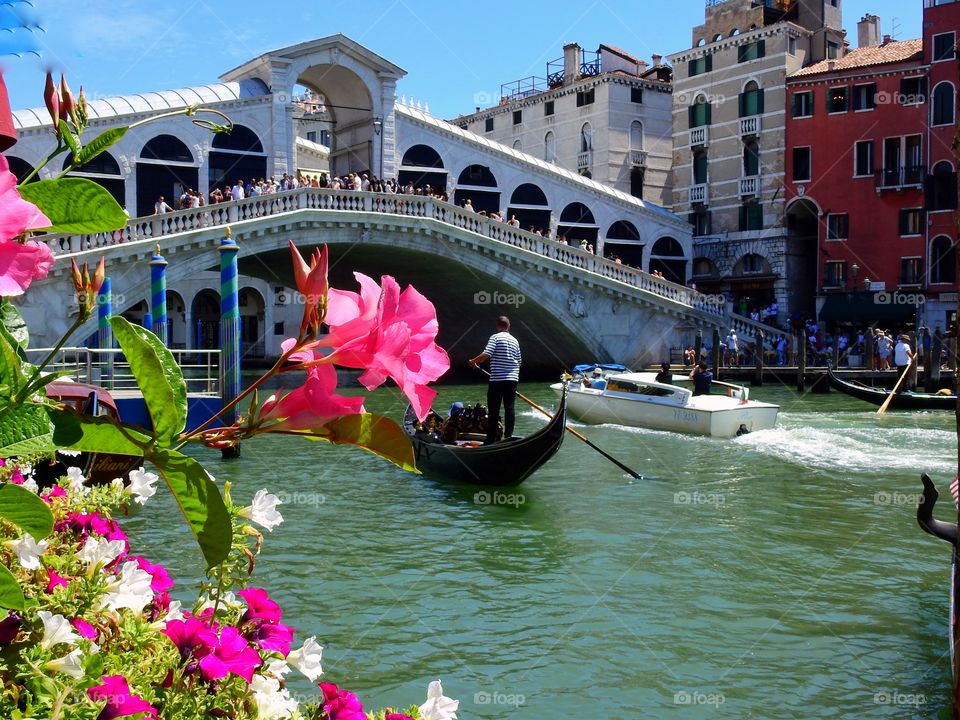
(868, 31)
(571, 62)
(887, 39)
(657, 59)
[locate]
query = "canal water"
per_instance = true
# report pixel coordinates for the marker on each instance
(778, 575)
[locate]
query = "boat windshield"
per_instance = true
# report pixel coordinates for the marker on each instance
(638, 389)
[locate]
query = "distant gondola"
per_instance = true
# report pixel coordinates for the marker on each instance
(901, 401)
(502, 464)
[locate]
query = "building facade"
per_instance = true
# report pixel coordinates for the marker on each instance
(605, 115)
(729, 125)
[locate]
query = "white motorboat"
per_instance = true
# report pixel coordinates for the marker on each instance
(637, 399)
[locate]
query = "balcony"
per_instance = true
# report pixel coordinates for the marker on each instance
(698, 136)
(898, 178)
(584, 160)
(750, 126)
(750, 185)
(699, 194)
(638, 158)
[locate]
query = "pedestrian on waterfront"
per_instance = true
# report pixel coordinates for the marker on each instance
(161, 207)
(503, 352)
(702, 379)
(883, 343)
(664, 376)
(733, 348)
(903, 357)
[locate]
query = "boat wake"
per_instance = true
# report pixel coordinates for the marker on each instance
(856, 449)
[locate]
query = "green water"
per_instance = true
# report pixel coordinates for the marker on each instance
(779, 575)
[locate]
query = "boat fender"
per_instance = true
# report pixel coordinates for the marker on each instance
(742, 430)
(937, 528)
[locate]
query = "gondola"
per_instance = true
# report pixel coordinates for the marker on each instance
(901, 401)
(503, 464)
(945, 531)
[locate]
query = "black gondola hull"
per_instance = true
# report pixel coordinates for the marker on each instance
(900, 401)
(503, 464)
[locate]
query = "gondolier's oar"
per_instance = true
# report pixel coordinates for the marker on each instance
(608, 456)
(886, 403)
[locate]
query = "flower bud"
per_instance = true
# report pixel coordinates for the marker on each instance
(52, 100)
(67, 103)
(81, 111)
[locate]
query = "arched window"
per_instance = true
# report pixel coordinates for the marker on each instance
(422, 165)
(751, 100)
(586, 138)
(517, 145)
(943, 105)
(942, 187)
(636, 135)
(528, 194)
(239, 139)
(667, 247)
(718, 37)
(167, 148)
(943, 256)
(422, 156)
(751, 158)
(623, 230)
(550, 147)
(701, 112)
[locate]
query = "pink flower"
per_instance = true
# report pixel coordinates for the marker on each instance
(275, 637)
(312, 283)
(191, 636)
(341, 704)
(10, 628)
(312, 405)
(20, 263)
(161, 578)
(232, 654)
(120, 703)
(54, 580)
(54, 492)
(84, 628)
(260, 606)
(396, 716)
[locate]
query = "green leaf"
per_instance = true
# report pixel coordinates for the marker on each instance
(373, 433)
(100, 143)
(158, 377)
(11, 369)
(14, 324)
(10, 594)
(199, 501)
(75, 205)
(68, 137)
(25, 510)
(26, 430)
(99, 435)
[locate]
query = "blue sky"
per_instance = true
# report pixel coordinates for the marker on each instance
(451, 52)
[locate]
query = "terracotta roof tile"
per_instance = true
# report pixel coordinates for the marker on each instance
(893, 52)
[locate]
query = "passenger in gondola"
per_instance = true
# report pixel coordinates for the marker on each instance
(664, 376)
(702, 379)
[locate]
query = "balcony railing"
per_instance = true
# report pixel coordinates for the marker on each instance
(900, 177)
(750, 125)
(698, 136)
(638, 158)
(699, 194)
(750, 185)
(584, 160)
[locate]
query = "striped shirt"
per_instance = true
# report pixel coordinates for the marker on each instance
(504, 353)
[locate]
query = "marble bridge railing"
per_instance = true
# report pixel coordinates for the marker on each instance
(154, 227)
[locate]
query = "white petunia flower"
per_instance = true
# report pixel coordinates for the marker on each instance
(30, 484)
(117, 484)
(76, 479)
(28, 551)
(68, 453)
(307, 659)
(99, 551)
(277, 668)
(71, 664)
(263, 510)
(272, 702)
(141, 485)
(437, 706)
(56, 629)
(131, 589)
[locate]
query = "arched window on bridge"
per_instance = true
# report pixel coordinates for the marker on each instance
(422, 166)
(166, 167)
(234, 156)
(477, 184)
(20, 168)
(529, 205)
(623, 242)
(252, 323)
(550, 147)
(103, 170)
(576, 224)
(667, 257)
(943, 255)
(205, 317)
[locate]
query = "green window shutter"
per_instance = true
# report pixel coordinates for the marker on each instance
(708, 63)
(761, 48)
(743, 105)
(760, 102)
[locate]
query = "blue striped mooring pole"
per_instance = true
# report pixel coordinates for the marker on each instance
(158, 294)
(105, 332)
(229, 333)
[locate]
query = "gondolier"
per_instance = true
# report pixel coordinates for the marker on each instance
(903, 358)
(503, 352)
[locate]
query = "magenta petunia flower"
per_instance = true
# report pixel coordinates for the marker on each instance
(54, 580)
(191, 636)
(341, 704)
(396, 716)
(120, 703)
(273, 636)
(260, 606)
(55, 491)
(84, 628)
(10, 628)
(161, 578)
(232, 654)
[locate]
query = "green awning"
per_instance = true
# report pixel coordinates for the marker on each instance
(869, 307)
